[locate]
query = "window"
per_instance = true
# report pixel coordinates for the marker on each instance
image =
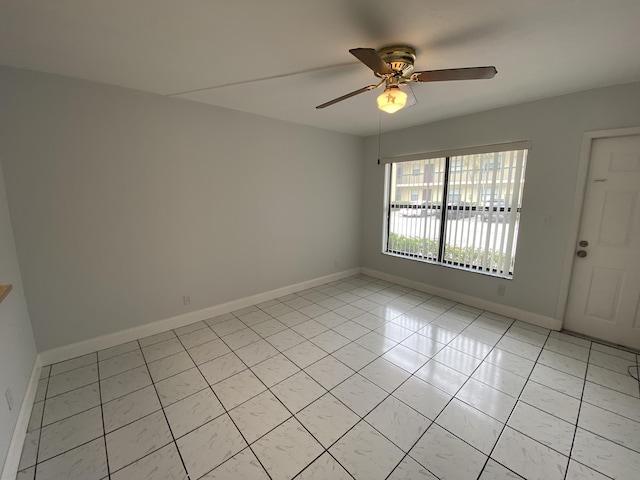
(469, 215)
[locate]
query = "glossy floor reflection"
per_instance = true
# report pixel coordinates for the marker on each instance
(358, 378)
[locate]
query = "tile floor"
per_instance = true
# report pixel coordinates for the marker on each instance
(357, 378)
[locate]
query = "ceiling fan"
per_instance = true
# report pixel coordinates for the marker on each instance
(394, 66)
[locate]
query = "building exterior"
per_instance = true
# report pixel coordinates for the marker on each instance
(472, 180)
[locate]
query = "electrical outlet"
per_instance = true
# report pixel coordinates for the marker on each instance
(501, 290)
(186, 299)
(9, 396)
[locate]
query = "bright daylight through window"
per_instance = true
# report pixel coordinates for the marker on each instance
(459, 208)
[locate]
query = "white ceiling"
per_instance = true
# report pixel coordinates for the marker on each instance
(281, 58)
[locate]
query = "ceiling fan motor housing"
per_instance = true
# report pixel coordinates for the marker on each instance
(400, 59)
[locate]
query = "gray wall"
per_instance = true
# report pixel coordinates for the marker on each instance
(123, 202)
(555, 127)
(17, 347)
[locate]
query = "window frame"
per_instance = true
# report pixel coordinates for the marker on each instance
(444, 208)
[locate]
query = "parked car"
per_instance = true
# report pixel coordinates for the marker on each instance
(456, 211)
(417, 209)
(496, 211)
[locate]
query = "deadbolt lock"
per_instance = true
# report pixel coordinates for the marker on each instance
(583, 243)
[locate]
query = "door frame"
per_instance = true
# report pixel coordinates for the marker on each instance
(578, 202)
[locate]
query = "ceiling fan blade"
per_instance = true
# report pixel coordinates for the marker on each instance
(349, 95)
(371, 59)
(472, 73)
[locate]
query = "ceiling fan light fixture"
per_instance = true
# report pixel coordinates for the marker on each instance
(392, 99)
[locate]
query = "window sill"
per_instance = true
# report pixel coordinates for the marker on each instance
(4, 290)
(476, 271)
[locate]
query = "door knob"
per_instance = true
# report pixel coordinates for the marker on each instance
(581, 253)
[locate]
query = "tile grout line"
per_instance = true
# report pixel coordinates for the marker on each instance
(294, 414)
(44, 404)
(575, 430)
(67, 451)
(310, 339)
(226, 412)
(165, 419)
(194, 362)
(453, 396)
(504, 426)
(51, 365)
(105, 435)
(638, 372)
(298, 372)
(388, 394)
(448, 402)
(584, 380)
(305, 372)
(70, 449)
(411, 375)
(104, 430)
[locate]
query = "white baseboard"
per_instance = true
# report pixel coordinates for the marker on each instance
(112, 339)
(12, 461)
(511, 312)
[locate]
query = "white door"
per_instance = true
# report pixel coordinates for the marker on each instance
(604, 296)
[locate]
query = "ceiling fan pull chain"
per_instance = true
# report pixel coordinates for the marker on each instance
(379, 133)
